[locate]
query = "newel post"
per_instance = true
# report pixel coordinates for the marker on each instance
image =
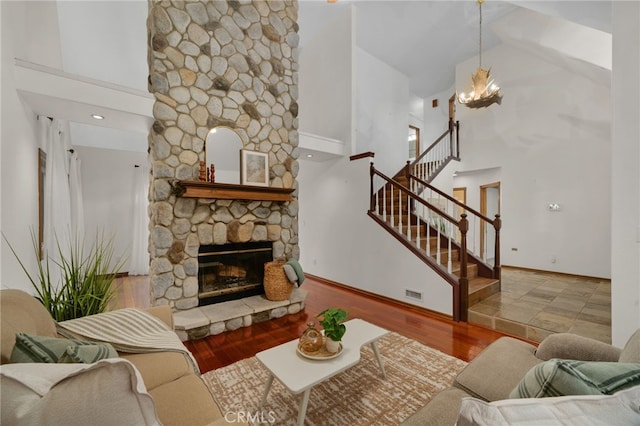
(497, 224)
(372, 205)
(407, 173)
(457, 139)
(461, 299)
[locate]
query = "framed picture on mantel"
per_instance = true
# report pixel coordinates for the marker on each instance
(254, 168)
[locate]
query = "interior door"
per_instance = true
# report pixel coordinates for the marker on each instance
(489, 207)
(414, 141)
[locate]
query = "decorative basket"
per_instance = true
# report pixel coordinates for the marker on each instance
(276, 285)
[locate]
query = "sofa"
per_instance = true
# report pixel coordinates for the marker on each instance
(160, 387)
(488, 390)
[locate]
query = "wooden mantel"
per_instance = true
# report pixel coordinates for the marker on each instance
(230, 191)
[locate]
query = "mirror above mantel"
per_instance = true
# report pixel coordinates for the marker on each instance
(222, 149)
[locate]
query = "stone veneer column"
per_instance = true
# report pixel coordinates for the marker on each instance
(218, 63)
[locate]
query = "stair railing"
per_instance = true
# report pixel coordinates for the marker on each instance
(483, 238)
(405, 214)
(433, 159)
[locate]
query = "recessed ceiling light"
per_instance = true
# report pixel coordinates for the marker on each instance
(309, 155)
(97, 116)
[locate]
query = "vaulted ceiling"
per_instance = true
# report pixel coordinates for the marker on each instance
(422, 39)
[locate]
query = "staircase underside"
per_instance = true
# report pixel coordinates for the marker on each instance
(480, 287)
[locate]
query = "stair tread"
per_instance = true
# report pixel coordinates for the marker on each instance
(478, 283)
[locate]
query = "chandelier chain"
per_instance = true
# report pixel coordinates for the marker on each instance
(480, 37)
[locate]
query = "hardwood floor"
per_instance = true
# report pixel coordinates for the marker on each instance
(461, 340)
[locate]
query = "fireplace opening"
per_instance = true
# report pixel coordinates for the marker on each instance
(232, 271)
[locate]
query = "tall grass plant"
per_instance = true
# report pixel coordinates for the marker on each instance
(81, 284)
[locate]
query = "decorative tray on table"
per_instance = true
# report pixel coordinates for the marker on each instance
(321, 354)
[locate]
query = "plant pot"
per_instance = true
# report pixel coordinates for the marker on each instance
(331, 345)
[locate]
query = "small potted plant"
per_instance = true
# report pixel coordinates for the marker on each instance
(332, 322)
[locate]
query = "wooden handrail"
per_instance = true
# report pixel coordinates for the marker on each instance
(450, 198)
(496, 223)
(430, 147)
(452, 125)
(366, 154)
(410, 194)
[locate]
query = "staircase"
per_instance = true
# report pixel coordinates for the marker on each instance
(436, 227)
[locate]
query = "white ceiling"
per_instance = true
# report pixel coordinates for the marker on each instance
(422, 39)
(425, 40)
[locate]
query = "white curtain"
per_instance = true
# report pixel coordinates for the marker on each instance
(76, 201)
(139, 262)
(57, 199)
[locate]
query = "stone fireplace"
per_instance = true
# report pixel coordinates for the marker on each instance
(219, 63)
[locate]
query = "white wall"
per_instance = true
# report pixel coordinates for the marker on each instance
(551, 140)
(436, 120)
(107, 189)
(325, 83)
(338, 241)
(382, 112)
(625, 166)
(1, 134)
(29, 32)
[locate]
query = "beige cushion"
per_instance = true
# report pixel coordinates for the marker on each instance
(631, 351)
(109, 392)
(157, 368)
(498, 369)
(572, 346)
(163, 313)
(186, 401)
(441, 410)
(619, 409)
(21, 312)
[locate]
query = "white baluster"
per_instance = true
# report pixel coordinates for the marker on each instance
(384, 203)
(449, 264)
(438, 239)
(408, 218)
(475, 234)
(486, 240)
(400, 211)
(392, 203)
(428, 232)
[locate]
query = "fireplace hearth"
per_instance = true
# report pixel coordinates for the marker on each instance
(232, 271)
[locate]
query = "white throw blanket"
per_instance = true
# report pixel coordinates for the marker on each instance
(127, 330)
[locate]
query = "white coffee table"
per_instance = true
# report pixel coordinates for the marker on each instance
(300, 374)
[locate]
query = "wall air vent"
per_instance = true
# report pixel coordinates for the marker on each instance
(412, 294)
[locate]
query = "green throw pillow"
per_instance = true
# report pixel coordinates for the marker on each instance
(297, 268)
(53, 350)
(558, 377)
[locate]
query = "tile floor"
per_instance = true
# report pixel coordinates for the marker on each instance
(535, 304)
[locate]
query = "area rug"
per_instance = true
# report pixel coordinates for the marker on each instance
(358, 396)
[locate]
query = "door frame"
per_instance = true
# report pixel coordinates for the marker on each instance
(417, 141)
(483, 209)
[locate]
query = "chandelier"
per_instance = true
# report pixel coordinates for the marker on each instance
(484, 91)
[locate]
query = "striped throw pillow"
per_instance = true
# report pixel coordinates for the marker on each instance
(558, 377)
(47, 349)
